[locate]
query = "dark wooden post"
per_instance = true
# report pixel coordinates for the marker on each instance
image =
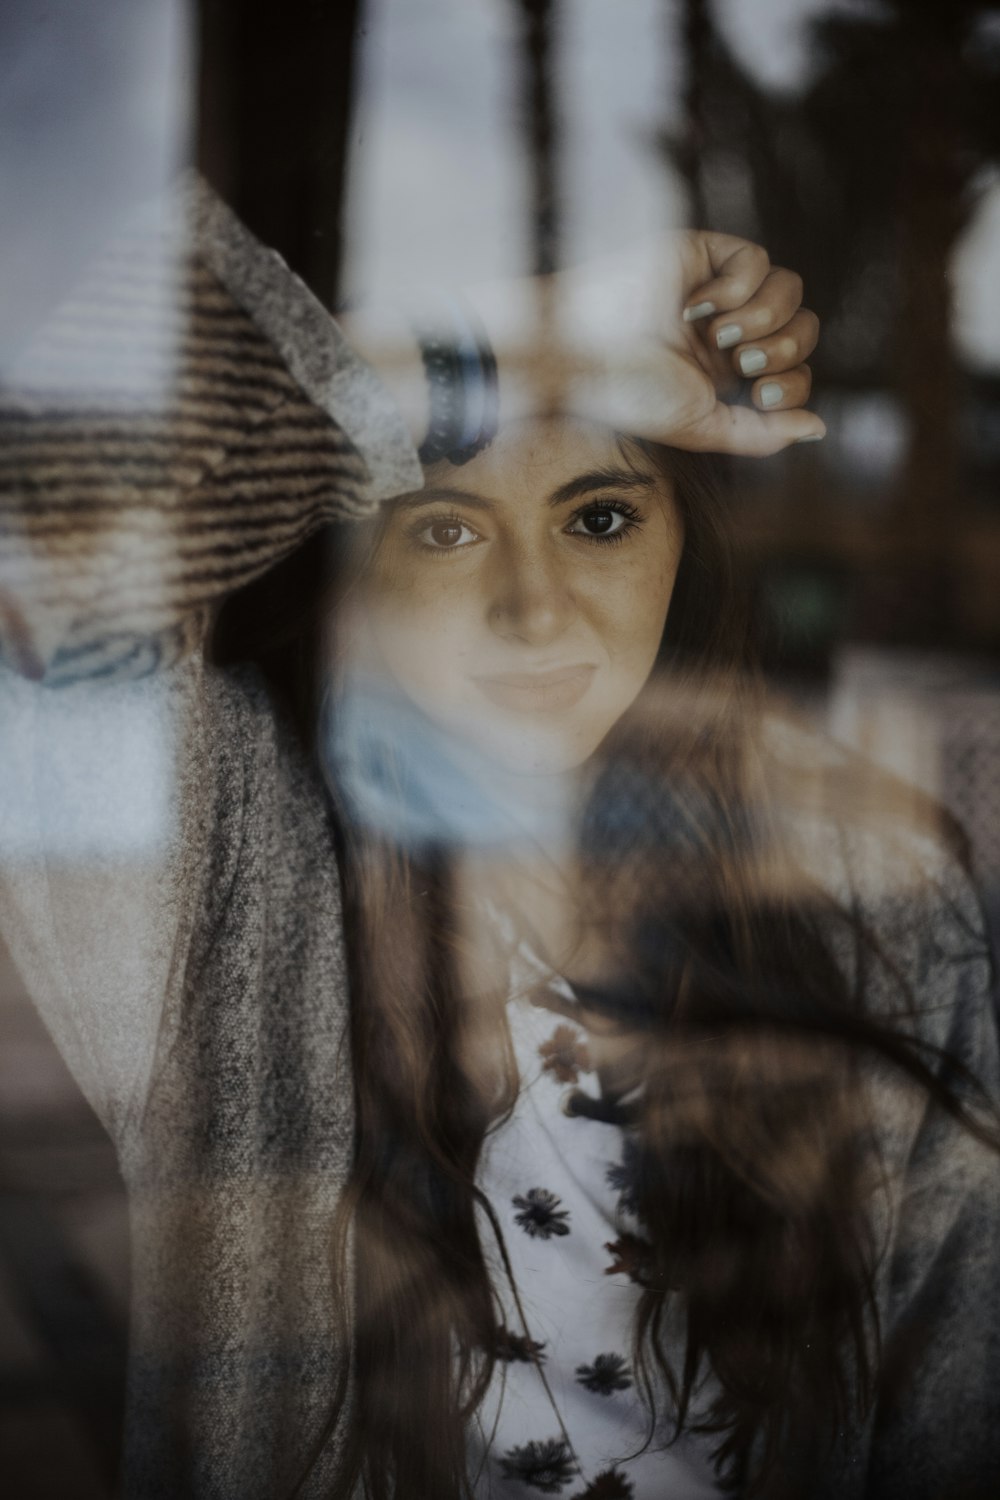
(274, 102)
(540, 121)
(696, 42)
(931, 213)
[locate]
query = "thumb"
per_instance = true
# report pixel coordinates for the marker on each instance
(753, 434)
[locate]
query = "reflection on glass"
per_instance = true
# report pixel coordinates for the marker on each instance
(494, 835)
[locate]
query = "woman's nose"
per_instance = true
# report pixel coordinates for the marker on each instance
(532, 600)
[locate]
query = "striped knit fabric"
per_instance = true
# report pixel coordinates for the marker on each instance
(168, 436)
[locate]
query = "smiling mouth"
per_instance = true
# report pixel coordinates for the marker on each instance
(538, 692)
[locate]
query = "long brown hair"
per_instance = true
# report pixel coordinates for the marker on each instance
(754, 1164)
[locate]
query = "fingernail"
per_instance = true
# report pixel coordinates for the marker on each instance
(698, 310)
(770, 394)
(752, 361)
(812, 437)
(728, 335)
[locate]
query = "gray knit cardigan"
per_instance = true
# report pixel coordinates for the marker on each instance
(169, 887)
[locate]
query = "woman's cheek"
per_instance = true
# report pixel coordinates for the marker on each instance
(635, 614)
(424, 638)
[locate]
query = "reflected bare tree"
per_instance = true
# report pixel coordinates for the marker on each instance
(864, 181)
(275, 91)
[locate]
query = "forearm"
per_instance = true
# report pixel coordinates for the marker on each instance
(651, 341)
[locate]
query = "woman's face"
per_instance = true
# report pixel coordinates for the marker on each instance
(519, 600)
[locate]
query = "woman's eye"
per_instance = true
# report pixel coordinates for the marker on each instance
(601, 521)
(446, 535)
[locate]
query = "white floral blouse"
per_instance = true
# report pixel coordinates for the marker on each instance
(562, 1415)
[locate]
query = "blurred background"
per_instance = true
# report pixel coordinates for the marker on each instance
(380, 143)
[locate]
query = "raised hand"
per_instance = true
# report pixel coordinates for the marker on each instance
(664, 340)
(742, 320)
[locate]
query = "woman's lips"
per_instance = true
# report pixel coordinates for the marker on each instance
(538, 692)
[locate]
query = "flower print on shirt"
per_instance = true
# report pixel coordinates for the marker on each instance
(518, 1348)
(609, 1485)
(544, 1465)
(631, 1255)
(608, 1373)
(623, 1177)
(540, 1214)
(565, 1055)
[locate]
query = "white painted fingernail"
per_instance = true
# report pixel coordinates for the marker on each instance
(698, 310)
(728, 335)
(752, 361)
(812, 437)
(770, 394)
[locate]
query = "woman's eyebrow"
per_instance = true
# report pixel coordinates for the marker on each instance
(435, 496)
(581, 484)
(600, 479)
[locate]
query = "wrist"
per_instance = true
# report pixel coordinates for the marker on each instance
(439, 369)
(461, 372)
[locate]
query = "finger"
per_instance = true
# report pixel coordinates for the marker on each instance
(773, 305)
(781, 351)
(740, 269)
(782, 392)
(753, 434)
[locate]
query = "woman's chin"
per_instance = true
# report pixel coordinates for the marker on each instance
(522, 747)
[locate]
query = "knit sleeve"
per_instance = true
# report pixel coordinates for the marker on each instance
(935, 1426)
(932, 1428)
(905, 924)
(185, 419)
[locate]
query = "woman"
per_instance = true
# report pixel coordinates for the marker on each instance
(190, 960)
(608, 1066)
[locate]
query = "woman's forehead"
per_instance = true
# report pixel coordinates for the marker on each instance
(538, 455)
